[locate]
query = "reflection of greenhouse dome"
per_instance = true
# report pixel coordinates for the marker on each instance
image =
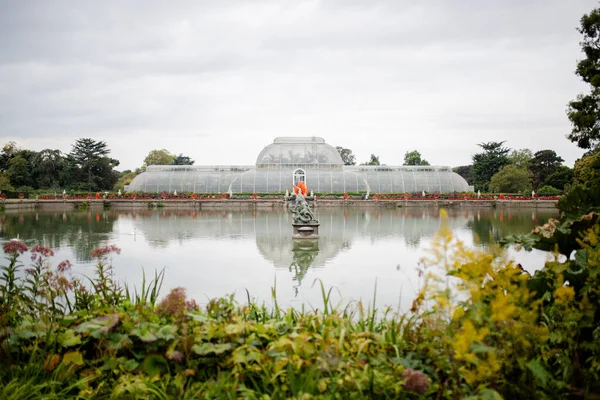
(272, 232)
(274, 173)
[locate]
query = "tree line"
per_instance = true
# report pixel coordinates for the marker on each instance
(498, 168)
(501, 169)
(87, 167)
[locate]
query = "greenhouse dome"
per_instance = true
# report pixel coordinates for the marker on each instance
(289, 160)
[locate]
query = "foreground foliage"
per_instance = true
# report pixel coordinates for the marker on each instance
(480, 327)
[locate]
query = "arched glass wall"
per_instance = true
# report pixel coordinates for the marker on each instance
(252, 180)
(277, 163)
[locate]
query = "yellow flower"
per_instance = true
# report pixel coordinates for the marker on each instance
(564, 294)
(465, 338)
(502, 310)
(458, 313)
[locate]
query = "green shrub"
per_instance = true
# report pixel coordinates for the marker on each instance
(548, 190)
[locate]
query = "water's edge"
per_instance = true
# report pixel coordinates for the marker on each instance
(116, 204)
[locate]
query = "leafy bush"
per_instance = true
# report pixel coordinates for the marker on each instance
(511, 179)
(587, 170)
(580, 200)
(549, 190)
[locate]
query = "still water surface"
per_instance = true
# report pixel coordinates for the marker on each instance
(215, 253)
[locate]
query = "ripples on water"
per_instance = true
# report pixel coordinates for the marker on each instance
(214, 253)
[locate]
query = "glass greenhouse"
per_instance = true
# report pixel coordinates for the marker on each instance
(290, 159)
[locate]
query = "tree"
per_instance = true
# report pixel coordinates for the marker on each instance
(520, 158)
(9, 150)
(71, 176)
(88, 154)
(183, 160)
(584, 112)
(543, 164)
(511, 179)
(5, 182)
(125, 178)
(486, 164)
(106, 176)
(464, 171)
(414, 158)
(592, 151)
(19, 172)
(560, 178)
(347, 156)
(47, 165)
(373, 161)
(159, 157)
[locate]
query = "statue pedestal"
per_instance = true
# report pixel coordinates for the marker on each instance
(305, 231)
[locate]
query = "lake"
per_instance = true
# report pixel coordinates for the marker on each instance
(214, 253)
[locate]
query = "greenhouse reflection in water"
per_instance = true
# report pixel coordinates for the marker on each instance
(213, 253)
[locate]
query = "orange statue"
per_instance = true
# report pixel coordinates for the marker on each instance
(300, 188)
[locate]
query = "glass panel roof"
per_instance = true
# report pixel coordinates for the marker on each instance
(299, 151)
(325, 173)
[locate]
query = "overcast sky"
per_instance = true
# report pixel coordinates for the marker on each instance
(218, 80)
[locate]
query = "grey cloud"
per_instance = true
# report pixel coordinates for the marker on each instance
(219, 80)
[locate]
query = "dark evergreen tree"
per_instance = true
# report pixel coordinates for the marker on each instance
(183, 160)
(560, 178)
(543, 164)
(87, 153)
(90, 156)
(488, 163)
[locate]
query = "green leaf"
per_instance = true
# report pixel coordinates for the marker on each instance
(489, 394)
(117, 341)
(144, 334)
(539, 372)
(100, 326)
(581, 259)
(197, 317)
(526, 241)
(129, 365)
(166, 332)
(26, 334)
(154, 365)
(482, 348)
(485, 394)
(68, 338)
(73, 357)
(208, 348)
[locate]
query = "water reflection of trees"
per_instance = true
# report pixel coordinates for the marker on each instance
(269, 229)
(489, 226)
(83, 231)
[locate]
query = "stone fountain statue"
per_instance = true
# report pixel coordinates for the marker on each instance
(301, 212)
(305, 225)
